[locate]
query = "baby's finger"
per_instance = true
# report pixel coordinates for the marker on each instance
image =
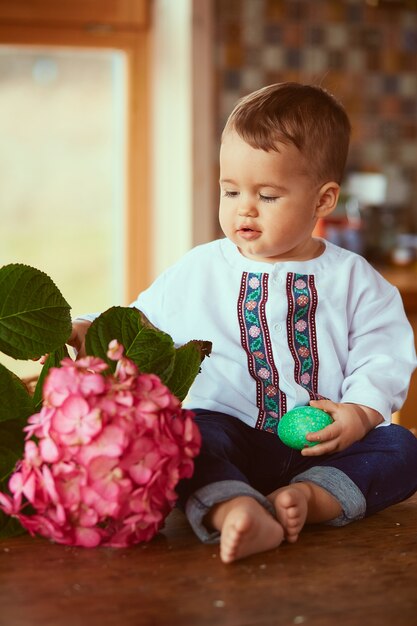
(327, 447)
(325, 405)
(41, 359)
(325, 434)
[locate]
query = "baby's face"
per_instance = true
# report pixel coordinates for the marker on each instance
(268, 203)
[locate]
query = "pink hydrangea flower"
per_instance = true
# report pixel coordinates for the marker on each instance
(103, 456)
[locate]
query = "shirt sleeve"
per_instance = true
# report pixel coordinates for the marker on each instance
(151, 302)
(381, 347)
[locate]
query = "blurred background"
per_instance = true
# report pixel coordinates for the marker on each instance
(111, 114)
(365, 53)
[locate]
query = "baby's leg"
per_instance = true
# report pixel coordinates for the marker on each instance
(245, 526)
(303, 502)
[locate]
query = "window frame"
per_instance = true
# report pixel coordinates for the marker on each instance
(134, 41)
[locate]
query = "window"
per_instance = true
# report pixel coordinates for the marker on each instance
(74, 151)
(62, 168)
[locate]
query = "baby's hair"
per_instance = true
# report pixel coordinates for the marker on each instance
(304, 115)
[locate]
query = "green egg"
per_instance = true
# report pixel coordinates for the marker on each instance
(295, 424)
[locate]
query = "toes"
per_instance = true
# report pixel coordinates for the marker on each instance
(291, 510)
(230, 544)
(292, 513)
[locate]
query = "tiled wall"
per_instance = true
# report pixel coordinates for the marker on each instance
(366, 55)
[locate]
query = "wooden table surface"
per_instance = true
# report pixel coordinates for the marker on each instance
(364, 574)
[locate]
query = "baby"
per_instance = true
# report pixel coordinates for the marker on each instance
(294, 320)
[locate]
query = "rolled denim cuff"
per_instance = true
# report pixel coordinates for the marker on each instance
(339, 485)
(199, 504)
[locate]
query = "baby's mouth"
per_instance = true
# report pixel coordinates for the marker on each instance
(248, 233)
(246, 228)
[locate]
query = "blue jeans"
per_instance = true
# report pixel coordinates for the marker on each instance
(236, 459)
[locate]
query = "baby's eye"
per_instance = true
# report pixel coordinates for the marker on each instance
(230, 194)
(268, 198)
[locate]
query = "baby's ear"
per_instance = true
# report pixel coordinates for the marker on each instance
(327, 199)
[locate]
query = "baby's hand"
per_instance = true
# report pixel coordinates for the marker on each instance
(351, 423)
(77, 338)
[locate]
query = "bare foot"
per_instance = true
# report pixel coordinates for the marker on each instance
(246, 528)
(291, 507)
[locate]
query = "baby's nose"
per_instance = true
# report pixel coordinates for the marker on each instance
(247, 207)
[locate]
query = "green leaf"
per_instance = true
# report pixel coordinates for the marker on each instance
(54, 360)
(16, 403)
(152, 350)
(188, 359)
(15, 408)
(10, 527)
(34, 317)
(11, 450)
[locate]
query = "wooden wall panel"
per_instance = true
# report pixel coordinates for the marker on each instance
(126, 14)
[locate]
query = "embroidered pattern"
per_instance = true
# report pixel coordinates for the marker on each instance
(255, 339)
(301, 330)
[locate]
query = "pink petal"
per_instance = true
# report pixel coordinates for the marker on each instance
(92, 384)
(49, 484)
(16, 483)
(75, 407)
(87, 518)
(111, 442)
(87, 537)
(29, 487)
(32, 454)
(49, 451)
(140, 473)
(115, 351)
(7, 504)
